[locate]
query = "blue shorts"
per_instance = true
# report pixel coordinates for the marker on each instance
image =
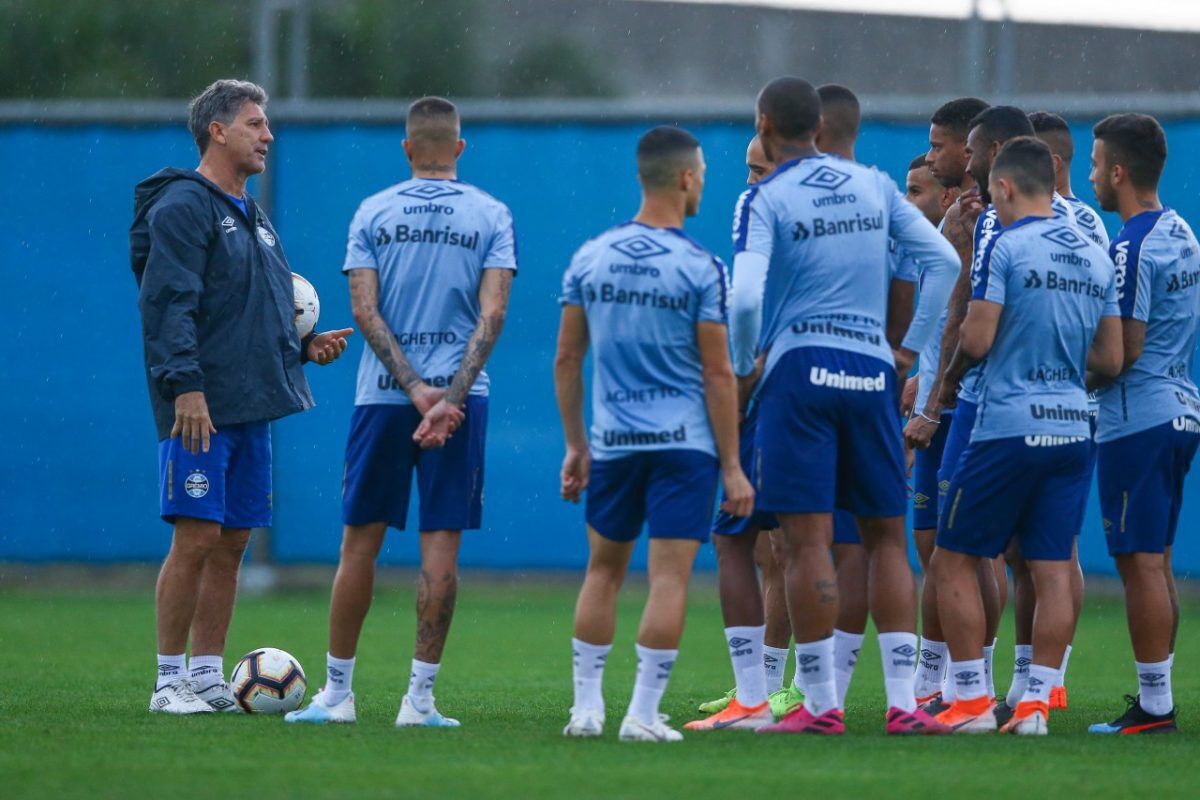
(926, 464)
(670, 491)
(230, 484)
(381, 456)
(1018, 487)
(821, 447)
(726, 524)
(962, 421)
(1141, 485)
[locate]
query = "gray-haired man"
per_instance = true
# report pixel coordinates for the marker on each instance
(223, 359)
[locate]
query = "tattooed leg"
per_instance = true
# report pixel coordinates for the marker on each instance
(808, 574)
(437, 592)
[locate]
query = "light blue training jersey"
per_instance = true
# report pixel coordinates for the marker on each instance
(1055, 285)
(1158, 279)
(1089, 221)
(643, 290)
(824, 225)
(430, 240)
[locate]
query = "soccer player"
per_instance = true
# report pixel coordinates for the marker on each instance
(1043, 312)
(223, 359)
(430, 262)
(1149, 423)
(811, 286)
(1054, 131)
(650, 301)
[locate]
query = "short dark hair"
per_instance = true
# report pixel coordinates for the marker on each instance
(1137, 143)
(919, 162)
(841, 114)
(1001, 123)
(956, 115)
(1054, 131)
(662, 153)
(792, 105)
(221, 102)
(1027, 160)
(433, 119)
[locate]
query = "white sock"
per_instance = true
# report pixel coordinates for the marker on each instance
(1022, 659)
(653, 672)
(170, 668)
(420, 683)
(989, 657)
(899, 653)
(587, 666)
(1170, 659)
(931, 668)
(774, 665)
(845, 658)
(968, 679)
(206, 671)
(1061, 680)
(1154, 687)
(1041, 681)
(339, 676)
(949, 690)
(814, 672)
(746, 654)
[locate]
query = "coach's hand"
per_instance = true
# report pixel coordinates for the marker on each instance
(192, 424)
(739, 494)
(908, 396)
(576, 469)
(326, 347)
(919, 432)
(425, 397)
(439, 423)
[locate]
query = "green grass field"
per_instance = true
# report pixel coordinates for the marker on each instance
(77, 670)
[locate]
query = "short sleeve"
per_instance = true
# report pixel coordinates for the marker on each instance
(714, 294)
(901, 266)
(1112, 305)
(572, 283)
(1134, 290)
(989, 276)
(502, 254)
(753, 224)
(360, 245)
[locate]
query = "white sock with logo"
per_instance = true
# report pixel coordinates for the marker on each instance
(845, 659)
(814, 671)
(931, 668)
(206, 671)
(1022, 660)
(746, 654)
(339, 677)
(653, 672)
(1041, 681)
(968, 678)
(170, 668)
(989, 658)
(587, 667)
(1061, 680)
(775, 665)
(1154, 687)
(899, 653)
(420, 684)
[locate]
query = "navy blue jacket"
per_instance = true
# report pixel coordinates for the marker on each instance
(215, 294)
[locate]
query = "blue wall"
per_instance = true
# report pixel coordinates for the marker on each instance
(77, 463)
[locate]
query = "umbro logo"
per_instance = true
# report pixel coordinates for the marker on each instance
(825, 177)
(770, 659)
(1066, 237)
(737, 646)
(221, 703)
(930, 655)
(1022, 663)
(1035, 682)
(639, 246)
(1033, 280)
(905, 650)
(228, 222)
(1152, 678)
(737, 641)
(1178, 231)
(334, 672)
(805, 660)
(429, 191)
(967, 676)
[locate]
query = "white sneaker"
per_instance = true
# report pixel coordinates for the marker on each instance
(218, 696)
(319, 712)
(585, 723)
(177, 697)
(411, 716)
(634, 730)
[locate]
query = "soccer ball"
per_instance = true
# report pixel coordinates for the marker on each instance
(268, 681)
(308, 305)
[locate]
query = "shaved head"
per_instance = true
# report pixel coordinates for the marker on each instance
(432, 120)
(840, 115)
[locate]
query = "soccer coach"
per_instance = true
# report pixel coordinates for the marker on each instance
(223, 359)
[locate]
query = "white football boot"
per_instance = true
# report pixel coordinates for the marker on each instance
(411, 716)
(585, 723)
(320, 712)
(219, 697)
(177, 697)
(634, 730)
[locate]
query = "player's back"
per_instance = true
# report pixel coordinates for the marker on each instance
(643, 290)
(1089, 221)
(1054, 285)
(1157, 260)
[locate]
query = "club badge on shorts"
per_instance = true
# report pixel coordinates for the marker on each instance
(196, 485)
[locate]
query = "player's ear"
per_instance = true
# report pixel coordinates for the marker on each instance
(1058, 163)
(459, 146)
(407, 145)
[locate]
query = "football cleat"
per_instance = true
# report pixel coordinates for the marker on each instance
(786, 700)
(970, 716)
(1003, 711)
(177, 697)
(934, 704)
(831, 723)
(1029, 718)
(320, 711)
(927, 699)
(912, 723)
(735, 717)
(717, 706)
(1137, 720)
(585, 723)
(411, 716)
(219, 696)
(1058, 697)
(634, 730)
